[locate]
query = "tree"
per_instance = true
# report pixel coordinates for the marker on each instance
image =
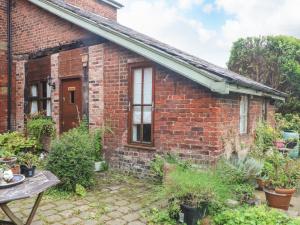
(271, 60)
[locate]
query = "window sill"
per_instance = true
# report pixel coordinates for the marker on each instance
(140, 147)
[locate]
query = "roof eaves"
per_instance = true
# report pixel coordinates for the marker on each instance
(113, 3)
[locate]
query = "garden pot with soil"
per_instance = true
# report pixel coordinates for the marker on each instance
(28, 172)
(192, 215)
(279, 200)
(16, 169)
(10, 161)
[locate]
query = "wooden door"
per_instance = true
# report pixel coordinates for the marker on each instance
(71, 104)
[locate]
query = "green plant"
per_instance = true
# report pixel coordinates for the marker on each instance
(159, 217)
(259, 215)
(288, 122)
(28, 159)
(6, 155)
(80, 190)
(40, 127)
(265, 135)
(157, 164)
(244, 192)
(196, 187)
(16, 142)
(71, 159)
(281, 172)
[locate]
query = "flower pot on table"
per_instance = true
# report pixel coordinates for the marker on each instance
(28, 172)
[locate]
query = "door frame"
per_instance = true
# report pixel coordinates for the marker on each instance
(61, 81)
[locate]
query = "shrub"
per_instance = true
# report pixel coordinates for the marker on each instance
(194, 188)
(265, 135)
(288, 122)
(39, 127)
(259, 215)
(71, 159)
(159, 217)
(16, 142)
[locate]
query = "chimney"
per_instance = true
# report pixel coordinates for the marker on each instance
(105, 8)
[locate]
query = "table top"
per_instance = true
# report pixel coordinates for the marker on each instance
(30, 187)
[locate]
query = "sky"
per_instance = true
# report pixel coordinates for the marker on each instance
(207, 28)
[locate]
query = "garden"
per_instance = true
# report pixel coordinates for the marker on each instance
(178, 191)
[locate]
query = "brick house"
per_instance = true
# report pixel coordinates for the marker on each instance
(71, 58)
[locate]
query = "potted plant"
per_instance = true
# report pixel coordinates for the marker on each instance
(42, 129)
(100, 164)
(187, 189)
(282, 179)
(7, 157)
(28, 163)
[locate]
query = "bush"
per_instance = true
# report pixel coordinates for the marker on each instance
(16, 142)
(71, 159)
(194, 188)
(259, 215)
(265, 135)
(39, 127)
(288, 122)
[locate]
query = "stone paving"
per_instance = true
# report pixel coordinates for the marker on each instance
(115, 200)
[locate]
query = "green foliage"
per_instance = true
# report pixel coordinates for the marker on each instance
(80, 190)
(159, 217)
(13, 143)
(244, 192)
(281, 172)
(196, 187)
(28, 159)
(259, 215)
(40, 127)
(157, 164)
(288, 122)
(271, 60)
(71, 159)
(265, 135)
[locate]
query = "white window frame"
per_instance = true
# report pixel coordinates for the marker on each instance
(244, 108)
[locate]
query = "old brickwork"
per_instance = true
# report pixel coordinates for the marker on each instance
(35, 29)
(96, 6)
(3, 66)
(189, 119)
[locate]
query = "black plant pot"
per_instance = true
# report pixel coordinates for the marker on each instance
(193, 215)
(27, 172)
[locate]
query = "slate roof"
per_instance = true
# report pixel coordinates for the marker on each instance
(227, 75)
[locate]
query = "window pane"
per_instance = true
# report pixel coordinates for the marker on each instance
(44, 85)
(49, 91)
(148, 86)
(34, 107)
(147, 115)
(137, 86)
(147, 133)
(244, 115)
(136, 123)
(48, 110)
(34, 91)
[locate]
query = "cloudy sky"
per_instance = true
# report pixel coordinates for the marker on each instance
(207, 28)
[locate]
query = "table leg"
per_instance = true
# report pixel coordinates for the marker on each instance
(10, 214)
(35, 207)
(15, 219)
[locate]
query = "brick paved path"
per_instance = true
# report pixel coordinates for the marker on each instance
(116, 200)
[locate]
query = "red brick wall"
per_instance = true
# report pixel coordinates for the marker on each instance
(97, 7)
(189, 119)
(3, 66)
(35, 29)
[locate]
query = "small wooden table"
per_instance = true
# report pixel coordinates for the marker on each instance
(29, 188)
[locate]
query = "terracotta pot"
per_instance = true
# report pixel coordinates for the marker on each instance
(168, 168)
(16, 169)
(261, 183)
(279, 201)
(285, 191)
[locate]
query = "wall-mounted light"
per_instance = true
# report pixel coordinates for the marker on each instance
(50, 82)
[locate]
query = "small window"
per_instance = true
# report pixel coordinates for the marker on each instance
(72, 97)
(244, 114)
(40, 98)
(141, 107)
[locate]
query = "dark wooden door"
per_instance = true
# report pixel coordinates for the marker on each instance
(71, 104)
